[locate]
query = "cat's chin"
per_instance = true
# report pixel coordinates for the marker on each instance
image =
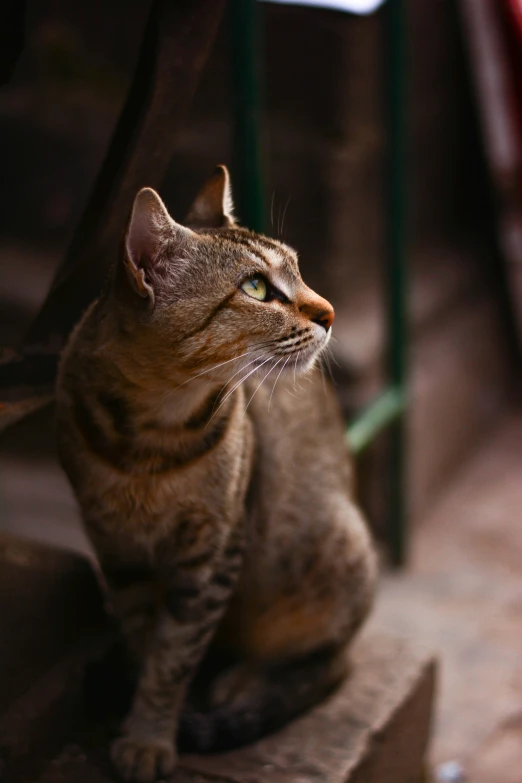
(305, 361)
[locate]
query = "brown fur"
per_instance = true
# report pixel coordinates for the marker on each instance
(221, 509)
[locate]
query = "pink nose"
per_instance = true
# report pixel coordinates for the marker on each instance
(319, 311)
(325, 318)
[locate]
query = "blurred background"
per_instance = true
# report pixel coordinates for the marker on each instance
(326, 170)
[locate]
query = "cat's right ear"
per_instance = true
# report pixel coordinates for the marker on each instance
(213, 206)
(149, 227)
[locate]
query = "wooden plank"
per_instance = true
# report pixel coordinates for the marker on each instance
(176, 45)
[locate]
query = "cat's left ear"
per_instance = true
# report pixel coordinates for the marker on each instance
(213, 207)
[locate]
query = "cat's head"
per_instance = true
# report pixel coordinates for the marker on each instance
(212, 294)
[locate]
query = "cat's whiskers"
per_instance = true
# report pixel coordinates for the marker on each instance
(227, 382)
(328, 359)
(284, 215)
(331, 353)
(236, 386)
(210, 369)
(264, 344)
(243, 367)
(275, 384)
(322, 378)
(262, 381)
(295, 367)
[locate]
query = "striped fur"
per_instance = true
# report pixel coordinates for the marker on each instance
(219, 505)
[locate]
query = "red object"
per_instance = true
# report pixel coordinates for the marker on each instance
(514, 9)
(510, 18)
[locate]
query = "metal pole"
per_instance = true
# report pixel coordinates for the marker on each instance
(246, 48)
(396, 269)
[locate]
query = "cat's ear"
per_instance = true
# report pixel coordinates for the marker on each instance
(150, 225)
(213, 206)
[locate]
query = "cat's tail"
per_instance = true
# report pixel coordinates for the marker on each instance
(260, 700)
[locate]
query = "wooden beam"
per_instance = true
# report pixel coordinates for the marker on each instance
(176, 44)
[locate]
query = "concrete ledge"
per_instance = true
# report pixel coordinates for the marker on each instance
(375, 729)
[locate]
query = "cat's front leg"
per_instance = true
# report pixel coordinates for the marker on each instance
(145, 751)
(133, 600)
(195, 601)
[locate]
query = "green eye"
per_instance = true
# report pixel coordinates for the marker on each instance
(256, 288)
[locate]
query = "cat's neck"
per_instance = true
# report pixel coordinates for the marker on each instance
(164, 401)
(177, 406)
(173, 402)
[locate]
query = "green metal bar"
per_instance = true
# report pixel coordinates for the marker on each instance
(396, 269)
(377, 416)
(246, 45)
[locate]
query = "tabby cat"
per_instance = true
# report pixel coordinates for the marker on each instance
(221, 508)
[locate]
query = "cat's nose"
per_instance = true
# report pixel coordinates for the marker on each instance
(319, 311)
(325, 318)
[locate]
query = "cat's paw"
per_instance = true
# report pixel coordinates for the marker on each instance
(143, 760)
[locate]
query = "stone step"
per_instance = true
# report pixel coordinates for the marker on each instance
(375, 729)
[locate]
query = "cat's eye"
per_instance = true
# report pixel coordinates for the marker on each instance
(256, 288)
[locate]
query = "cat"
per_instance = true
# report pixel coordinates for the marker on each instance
(220, 507)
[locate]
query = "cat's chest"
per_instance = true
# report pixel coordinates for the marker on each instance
(150, 494)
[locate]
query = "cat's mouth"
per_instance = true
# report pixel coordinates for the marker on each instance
(302, 359)
(295, 359)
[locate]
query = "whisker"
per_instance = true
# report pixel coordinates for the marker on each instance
(209, 369)
(236, 386)
(243, 367)
(261, 383)
(255, 359)
(276, 380)
(284, 215)
(328, 367)
(264, 344)
(221, 364)
(331, 355)
(295, 366)
(322, 378)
